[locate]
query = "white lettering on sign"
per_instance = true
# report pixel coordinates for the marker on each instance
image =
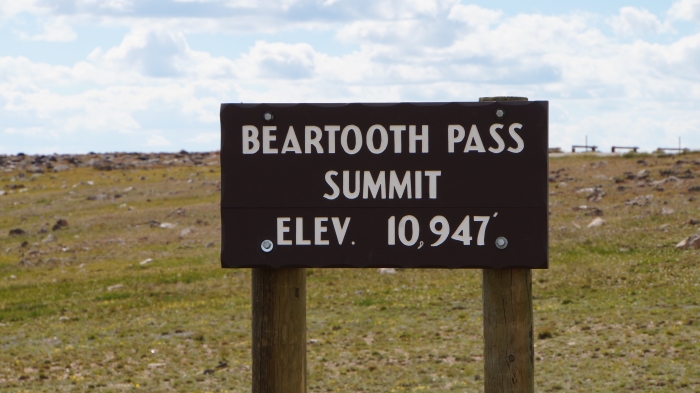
(291, 143)
(313, 138)
(376, 187)
(456, 135)
(399, 187)
(383, 136)
(320, 228)
(331, 130)
(314, 141)
(352, 139)
(344, 139)
(413, 138)
(516, 138)
(397, 130)
(250, 140)
(438, 226)
(496, 137)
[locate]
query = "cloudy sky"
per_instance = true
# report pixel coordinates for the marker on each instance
(149, 75)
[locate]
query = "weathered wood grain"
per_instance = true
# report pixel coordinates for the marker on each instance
(509, 364)
(509, 354)
(279, 330)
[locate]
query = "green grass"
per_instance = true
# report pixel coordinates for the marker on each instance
(618, 310)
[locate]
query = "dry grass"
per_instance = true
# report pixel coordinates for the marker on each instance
(617, 311)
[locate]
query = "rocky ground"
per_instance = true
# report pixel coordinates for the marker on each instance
(110, 281)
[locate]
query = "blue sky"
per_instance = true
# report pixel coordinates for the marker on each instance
(147, 75)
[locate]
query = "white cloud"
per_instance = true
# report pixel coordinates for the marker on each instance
(474, 15)
(279, 61)
(53, 30)
(634, 21)
(117, 5)
(153, 53)
(685, 10)
(153, 80)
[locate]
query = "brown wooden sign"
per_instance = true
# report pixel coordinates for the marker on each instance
(450, 185)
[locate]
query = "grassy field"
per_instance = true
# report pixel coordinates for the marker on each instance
(82, 308)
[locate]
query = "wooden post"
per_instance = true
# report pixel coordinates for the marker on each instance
(279, 330)
(509, 364)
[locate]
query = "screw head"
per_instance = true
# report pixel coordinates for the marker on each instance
(266, 246)
(501, 243)
(500, 113)
(268, 116)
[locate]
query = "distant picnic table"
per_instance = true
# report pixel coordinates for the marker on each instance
(585, 147)
(633, 148)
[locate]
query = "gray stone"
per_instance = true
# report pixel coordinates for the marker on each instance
(692, 241)
(640, 200)
(596, 222)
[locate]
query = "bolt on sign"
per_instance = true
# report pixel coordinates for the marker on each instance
(433, 185)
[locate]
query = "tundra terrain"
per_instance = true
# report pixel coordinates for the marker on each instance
(110, 281)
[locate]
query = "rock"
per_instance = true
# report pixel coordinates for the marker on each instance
(17, 232)
(693, 222)
(595, 213)
(694, 189)
(185, 232)
(146, 261)
(177, 212)
(63, 318)
(3, 192)
(60, 224)
(594, 194)
(49, 239)
(60, 168)
(209, 245)
(640, 200)
(98, 197)
(128, 189)
(667, 210)
(114, 287)
(44, 228)
(579, 208)
(387, 270)
(35, 169)
(596, 222)
(167, 225)
(156, 365)
(563, 185)
(643, 174)
(693, 241)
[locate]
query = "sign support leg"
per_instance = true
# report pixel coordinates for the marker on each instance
(509, 364)
(509, 353)
(279, 330)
